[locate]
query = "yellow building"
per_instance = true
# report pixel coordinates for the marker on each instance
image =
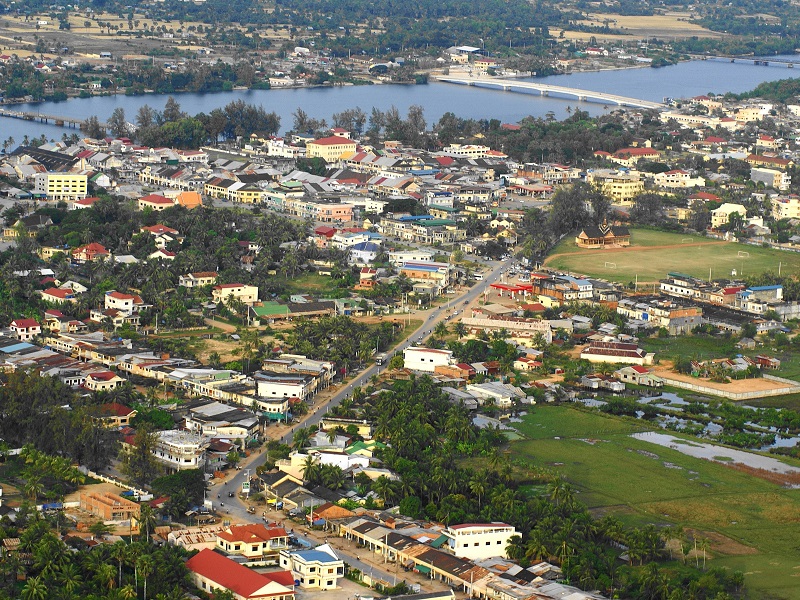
(620, 187)
(61, 186)
(330, 148)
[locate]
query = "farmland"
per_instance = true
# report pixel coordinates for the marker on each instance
(653, 254)
(752, 525)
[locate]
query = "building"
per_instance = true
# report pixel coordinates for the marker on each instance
(68, 187)
(787, 207)
(657, 313)
(476, 541)
(330, 149)
(180, 450)
(59, 295)
(319, 568)
(113, 415)
(155, 202)
(638, 375)
(620, 187)
(211, 571)
(126, 304)
(109, 507)
(603, 235)
(426, 359)
(103, 381)
(254, 542)
(25, 329)
(773, 178)
(222, 294)
(428, 272)
(616, 352)
(721, 216)
(199, 279)
(677, 179)
(90, 253)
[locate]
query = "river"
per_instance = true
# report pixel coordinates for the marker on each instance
(678, 81)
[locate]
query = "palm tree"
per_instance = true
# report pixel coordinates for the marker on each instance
(33, 488)
(384, 488)
(145, 565)
(69, 577)
(34, 589)
(478, 485)
(147, 520)
(310, 469)
(704, 546)
(118, 552)
(105, 576)
(301, 438)
(460, 329)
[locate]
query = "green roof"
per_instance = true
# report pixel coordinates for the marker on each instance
(270, 308)
(449, 209)
(437, 543)
(436, 222)
(422, 569)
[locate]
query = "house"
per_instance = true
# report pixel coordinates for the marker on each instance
(211, 571)
(155, 202)
(199, 279)
(59, 295)
(25, 329)
(599, 381)
(126, 304)
(103, 381)
(180, 450)
(638, 375)
(478, 541)
(222, 294)
(603, 235)
(319, 568)
(90, 253)
(161, 254)
(426, 359)
(113, 415)
(254, 542)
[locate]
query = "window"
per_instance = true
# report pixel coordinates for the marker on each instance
(311, 581)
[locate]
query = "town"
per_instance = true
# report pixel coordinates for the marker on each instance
(319, 361)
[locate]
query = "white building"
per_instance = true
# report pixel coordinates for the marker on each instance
(284, 385)
(222, 294)
(61, 186)
(319, 568)
(124, 303)
(180, 450)
(771, 178)
(477, 541)
(426, 359)
(403, 256)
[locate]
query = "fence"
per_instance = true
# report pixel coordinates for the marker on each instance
(792, 387)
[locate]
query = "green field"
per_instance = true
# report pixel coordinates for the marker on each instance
(653, 254)
(754, 525)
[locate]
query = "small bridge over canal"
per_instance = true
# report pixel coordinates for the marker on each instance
(61, 121)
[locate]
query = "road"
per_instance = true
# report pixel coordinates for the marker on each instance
(236, 510)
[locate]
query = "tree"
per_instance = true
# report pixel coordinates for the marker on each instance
(145, 117)
(139, 463)
(35, 589)
(699, 217)
(117, 123)
(648, 209)
(93, 128)
(147, 520)
(145, 566)
(568, 211)
(172, 111)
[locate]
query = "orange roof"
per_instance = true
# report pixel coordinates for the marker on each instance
(251, 533)
(189, 199)
(333, 140)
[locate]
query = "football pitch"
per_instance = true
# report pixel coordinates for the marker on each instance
(654, 254)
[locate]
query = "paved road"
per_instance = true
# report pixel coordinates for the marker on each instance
(236, 508)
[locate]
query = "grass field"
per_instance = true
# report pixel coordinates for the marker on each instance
(753, 525)
(653, 254)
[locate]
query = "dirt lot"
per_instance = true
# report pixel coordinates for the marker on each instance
(667, 26)
(736, 385)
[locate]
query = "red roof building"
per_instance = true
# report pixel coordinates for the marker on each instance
(210, 571)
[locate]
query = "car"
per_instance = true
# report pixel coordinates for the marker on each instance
(230, 494)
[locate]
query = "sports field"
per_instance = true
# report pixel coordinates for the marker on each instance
(752, 525)
(653, 254)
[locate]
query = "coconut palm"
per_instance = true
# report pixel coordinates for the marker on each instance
(145, 566)
(35, 589)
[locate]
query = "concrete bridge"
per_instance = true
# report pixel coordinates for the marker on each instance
(546, 89)
(55, 119)
(752, 60)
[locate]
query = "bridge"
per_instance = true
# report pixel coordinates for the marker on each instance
(55, 119)
(546, 89)
(761, 60)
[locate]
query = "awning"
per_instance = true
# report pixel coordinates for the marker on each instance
(439, 542)
(423, 569)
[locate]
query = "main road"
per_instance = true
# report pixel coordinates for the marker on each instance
(235, 508)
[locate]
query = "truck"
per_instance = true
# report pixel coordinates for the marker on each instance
(381, 358)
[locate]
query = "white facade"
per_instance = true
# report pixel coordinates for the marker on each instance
(401, 257)
(721, 215)
(319, 568)
(180, 450)
(247, 294)
(477, 541)
(426, 359)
